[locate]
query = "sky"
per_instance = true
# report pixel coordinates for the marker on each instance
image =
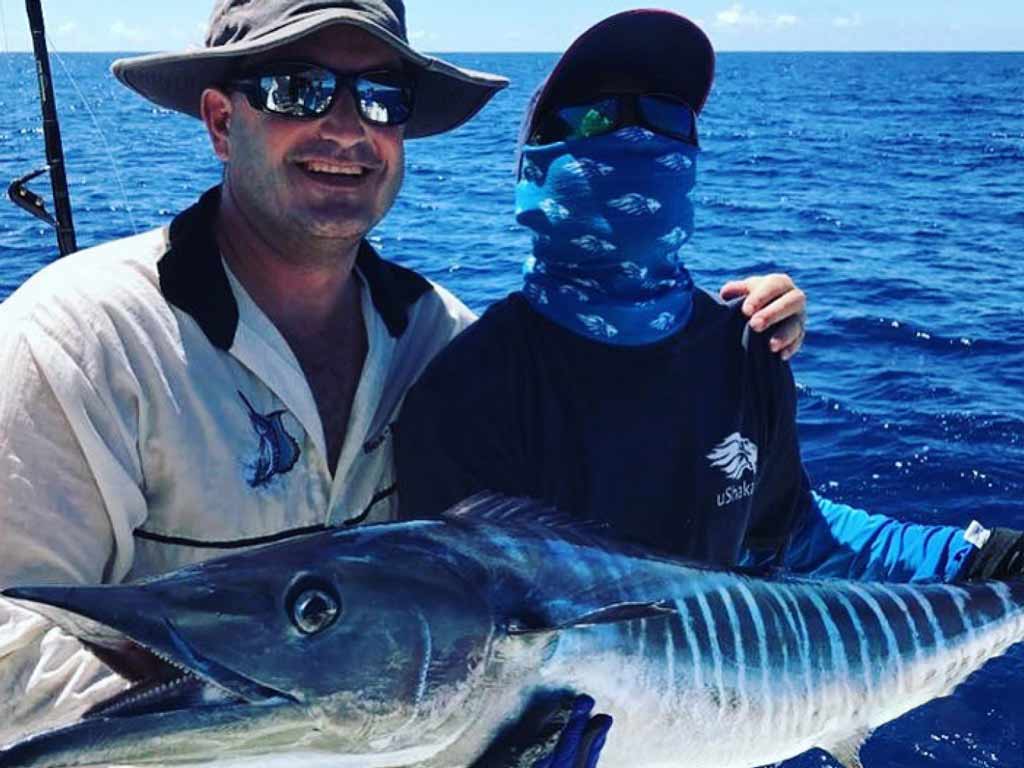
(550, 25)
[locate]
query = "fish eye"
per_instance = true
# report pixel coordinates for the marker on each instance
(314, 608)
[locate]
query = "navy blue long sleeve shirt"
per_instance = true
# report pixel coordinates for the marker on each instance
(688, 445)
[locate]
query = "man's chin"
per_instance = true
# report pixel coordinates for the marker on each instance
(324, 231)
(336, 221)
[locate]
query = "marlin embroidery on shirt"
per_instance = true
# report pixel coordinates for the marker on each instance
(277, 451)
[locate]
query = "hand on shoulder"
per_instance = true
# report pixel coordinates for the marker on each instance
(773, 302)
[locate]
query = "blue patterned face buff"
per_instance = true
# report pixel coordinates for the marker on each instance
(609, 215)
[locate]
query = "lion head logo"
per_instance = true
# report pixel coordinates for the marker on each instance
(735, 456)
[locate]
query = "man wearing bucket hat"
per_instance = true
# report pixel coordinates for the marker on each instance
(612, 388)
(231, 379)
(227, 380)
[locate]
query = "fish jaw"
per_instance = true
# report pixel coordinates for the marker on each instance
(184, 735)
(206, 623)
(190, 706)
(124, 609)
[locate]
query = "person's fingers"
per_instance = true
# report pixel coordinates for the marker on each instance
(790, 350)
(764, 291)
(788, 337)
(792, 303)
(735, 289)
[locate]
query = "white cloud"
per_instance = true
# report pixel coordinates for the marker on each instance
(67, 28)
(736, 15)
(786, 20)
(845, 22)
(121, 32)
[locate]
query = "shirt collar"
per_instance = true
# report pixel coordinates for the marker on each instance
(192, 277)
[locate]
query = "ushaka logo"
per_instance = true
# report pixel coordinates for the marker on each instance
(277, 451)
(735, 456)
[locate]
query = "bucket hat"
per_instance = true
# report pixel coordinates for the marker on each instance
(446, 95)
(661, 48)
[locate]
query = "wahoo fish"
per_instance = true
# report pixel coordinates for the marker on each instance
(415, 643)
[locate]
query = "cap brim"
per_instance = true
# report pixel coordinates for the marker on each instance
(446, 95)
(666, 52)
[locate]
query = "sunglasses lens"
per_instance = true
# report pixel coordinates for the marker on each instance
(669, 117)
(305, 93)
(384, 98)
(579, 121)
(594, 119)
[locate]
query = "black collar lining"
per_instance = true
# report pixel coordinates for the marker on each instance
(192, 277)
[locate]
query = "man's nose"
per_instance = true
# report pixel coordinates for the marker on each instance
(343, 123)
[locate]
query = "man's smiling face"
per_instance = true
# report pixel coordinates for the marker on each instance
(332, 177)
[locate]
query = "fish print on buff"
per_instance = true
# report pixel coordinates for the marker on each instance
(318, 650)
(610, 216)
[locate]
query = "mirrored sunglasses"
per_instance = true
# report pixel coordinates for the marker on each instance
(663, 114)
(307, 91)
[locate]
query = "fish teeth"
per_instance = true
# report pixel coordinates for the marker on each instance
(141, 693)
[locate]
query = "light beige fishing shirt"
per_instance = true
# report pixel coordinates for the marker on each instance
(151, 416)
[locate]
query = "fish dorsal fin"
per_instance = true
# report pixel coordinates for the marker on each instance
(497, 508)
(611, 614)
(847, 751)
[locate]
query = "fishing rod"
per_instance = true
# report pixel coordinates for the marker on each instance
(18, 190)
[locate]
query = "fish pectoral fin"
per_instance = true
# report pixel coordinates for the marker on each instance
(611, 614)
(847, 751)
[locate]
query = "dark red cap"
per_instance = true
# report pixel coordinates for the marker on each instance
(658, 47)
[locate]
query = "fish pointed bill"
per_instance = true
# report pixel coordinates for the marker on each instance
(182, 702)
(138, 614)
(313, 645)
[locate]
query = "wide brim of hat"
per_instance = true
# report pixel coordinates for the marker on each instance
(446, 95)
(662, 49)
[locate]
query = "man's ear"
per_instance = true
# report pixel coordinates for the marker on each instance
(215, 107)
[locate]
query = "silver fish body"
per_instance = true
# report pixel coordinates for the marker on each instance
(439, 633)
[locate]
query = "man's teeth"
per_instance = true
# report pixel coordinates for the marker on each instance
(341, 170)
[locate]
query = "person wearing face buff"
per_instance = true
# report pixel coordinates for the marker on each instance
(613, 388)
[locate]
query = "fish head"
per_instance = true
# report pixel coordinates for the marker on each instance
(316, 643)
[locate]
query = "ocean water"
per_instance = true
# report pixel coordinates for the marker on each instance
(888, 185)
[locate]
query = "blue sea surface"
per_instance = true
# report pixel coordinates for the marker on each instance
(888, 185)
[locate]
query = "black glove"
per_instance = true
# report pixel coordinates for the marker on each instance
(1001, 557)
(555, 731)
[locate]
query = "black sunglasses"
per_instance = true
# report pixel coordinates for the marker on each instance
(658, 112)
(306, 91)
